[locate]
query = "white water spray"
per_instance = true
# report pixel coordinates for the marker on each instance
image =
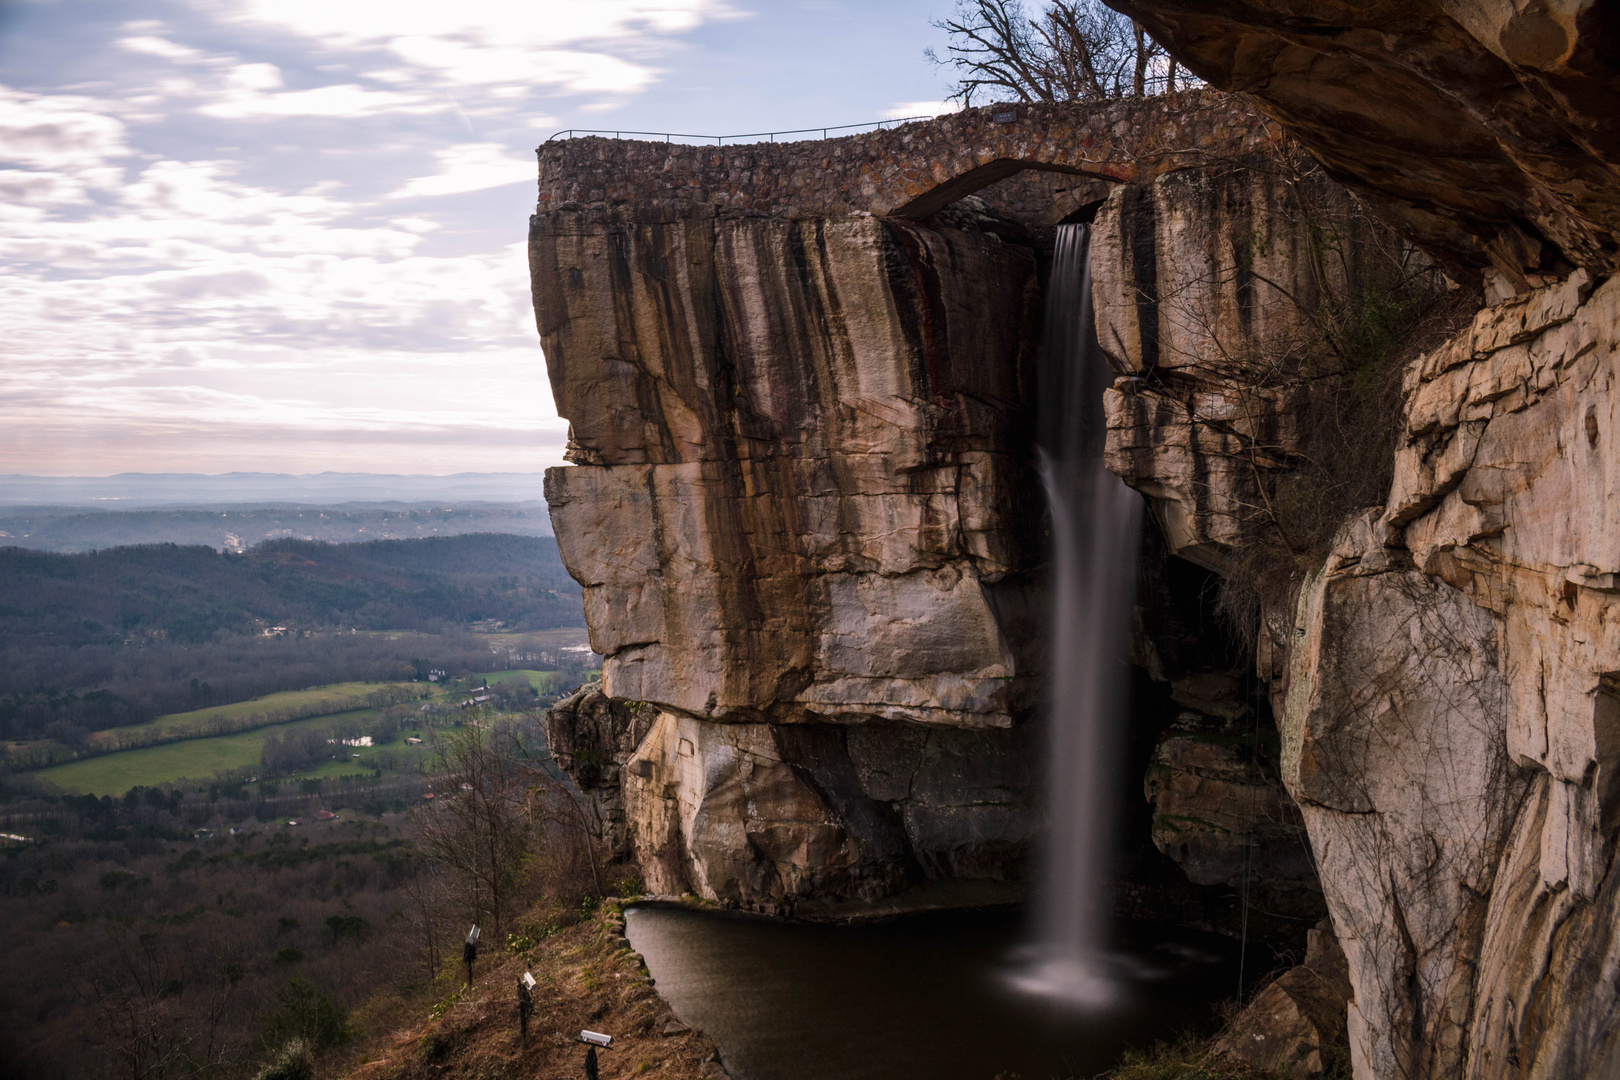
(1096, 526)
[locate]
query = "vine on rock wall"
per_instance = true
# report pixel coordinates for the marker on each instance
(1321, 385)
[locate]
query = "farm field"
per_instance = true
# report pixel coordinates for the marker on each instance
(203, 755)
(196, 759)
(333, 694)
(541, 681)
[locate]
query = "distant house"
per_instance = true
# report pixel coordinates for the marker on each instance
(204, 834)
(427, 795)
(412, 740)
(326, 815)
(292, 821)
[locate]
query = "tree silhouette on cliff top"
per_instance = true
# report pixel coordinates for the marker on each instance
(1075, 50)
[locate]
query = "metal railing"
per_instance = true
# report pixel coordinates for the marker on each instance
(719, 140)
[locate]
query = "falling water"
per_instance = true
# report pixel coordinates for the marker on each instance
(1096, 523)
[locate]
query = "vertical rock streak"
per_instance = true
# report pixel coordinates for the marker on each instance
(802, 495)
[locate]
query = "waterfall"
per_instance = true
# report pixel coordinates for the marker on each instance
(1096, 524)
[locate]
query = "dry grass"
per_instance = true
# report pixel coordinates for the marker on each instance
(587, 977)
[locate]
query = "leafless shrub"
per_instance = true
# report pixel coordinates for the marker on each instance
(1319, 392)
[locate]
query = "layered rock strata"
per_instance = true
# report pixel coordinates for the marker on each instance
(1445, 684)
(1445, 689)
(1209, 287)
(765, 814)
(803, 489)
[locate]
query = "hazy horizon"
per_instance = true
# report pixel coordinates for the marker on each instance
(239, 488)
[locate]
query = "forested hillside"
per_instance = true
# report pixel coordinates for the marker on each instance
(193, 594)
(118, 637)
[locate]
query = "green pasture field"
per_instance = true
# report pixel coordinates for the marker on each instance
(540, 681)
(195, 759)
(561, 635)
(336, 693)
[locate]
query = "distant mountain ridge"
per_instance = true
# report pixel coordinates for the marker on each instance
(171, 489)
(227, 527)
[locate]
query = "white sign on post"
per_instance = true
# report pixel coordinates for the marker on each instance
(528, 980)
(472, 936)
(595, 1038)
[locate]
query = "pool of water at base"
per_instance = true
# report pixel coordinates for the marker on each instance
(926, 997)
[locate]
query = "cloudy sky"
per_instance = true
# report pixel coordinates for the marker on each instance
(286, 235)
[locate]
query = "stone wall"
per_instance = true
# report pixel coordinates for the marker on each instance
(913, 170)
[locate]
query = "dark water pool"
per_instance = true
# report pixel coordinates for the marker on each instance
(920, 997)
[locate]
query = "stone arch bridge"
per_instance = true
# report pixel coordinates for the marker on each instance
(910, 171)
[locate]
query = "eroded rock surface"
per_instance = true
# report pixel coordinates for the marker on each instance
(1449, 715)
(1226, 820)
(803, 495)
(1208, 283)
(765, 814)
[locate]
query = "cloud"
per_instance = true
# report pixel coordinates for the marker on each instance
(356, 23)
(255, 91)
(66, 134)
(209, 262)
(469, 167)
(921, 108)
(163, 48)
(579, 47)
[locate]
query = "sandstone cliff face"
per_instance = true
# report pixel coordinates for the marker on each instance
(1449, 727)
(797, 498)
(763, 815)
(1445, 686)
(803, 514)
(1209, 285)
(1445, 689)
(802, 496)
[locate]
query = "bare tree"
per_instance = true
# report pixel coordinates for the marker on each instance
(1076, 50)
(478, 826)
(161, 1004)
(428, 914)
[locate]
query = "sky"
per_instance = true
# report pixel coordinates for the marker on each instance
(287, 235)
